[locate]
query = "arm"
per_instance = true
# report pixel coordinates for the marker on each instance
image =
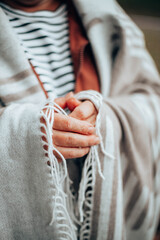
(130, 127)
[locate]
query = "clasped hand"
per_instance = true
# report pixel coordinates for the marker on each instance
(73, 135)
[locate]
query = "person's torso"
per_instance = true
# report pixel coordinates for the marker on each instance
(44, 37)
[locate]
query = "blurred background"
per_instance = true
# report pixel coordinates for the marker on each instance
(146, 14)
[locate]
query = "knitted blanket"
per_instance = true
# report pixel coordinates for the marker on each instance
(119, 196)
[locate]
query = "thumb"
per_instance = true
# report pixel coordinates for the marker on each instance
(61, 101)
(69, 95)
(72, 103)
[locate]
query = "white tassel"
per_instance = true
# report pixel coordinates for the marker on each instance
(88, 181)
(61, 202)
(101, 140)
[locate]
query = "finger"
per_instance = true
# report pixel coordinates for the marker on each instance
(69, 153)
(92, 119)
(72, 103)
(61, 101)
(69, 95)
(69, 124)
(69, 139)
(84, 110)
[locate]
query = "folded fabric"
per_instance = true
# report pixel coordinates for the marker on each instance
(119, 194)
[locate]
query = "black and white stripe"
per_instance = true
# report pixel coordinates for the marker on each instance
(44, 36)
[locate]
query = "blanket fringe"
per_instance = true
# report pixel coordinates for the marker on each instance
(63, 209)
(64, 205)
(86, 190)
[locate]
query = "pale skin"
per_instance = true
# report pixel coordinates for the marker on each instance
(73, 135)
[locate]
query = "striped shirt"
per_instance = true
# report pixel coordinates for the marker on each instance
(44, 37)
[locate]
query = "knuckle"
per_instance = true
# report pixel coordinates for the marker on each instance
(69, 140)
(84, 128)
(67, 123)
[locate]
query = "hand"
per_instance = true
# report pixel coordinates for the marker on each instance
(82, 110)
(73, 137)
